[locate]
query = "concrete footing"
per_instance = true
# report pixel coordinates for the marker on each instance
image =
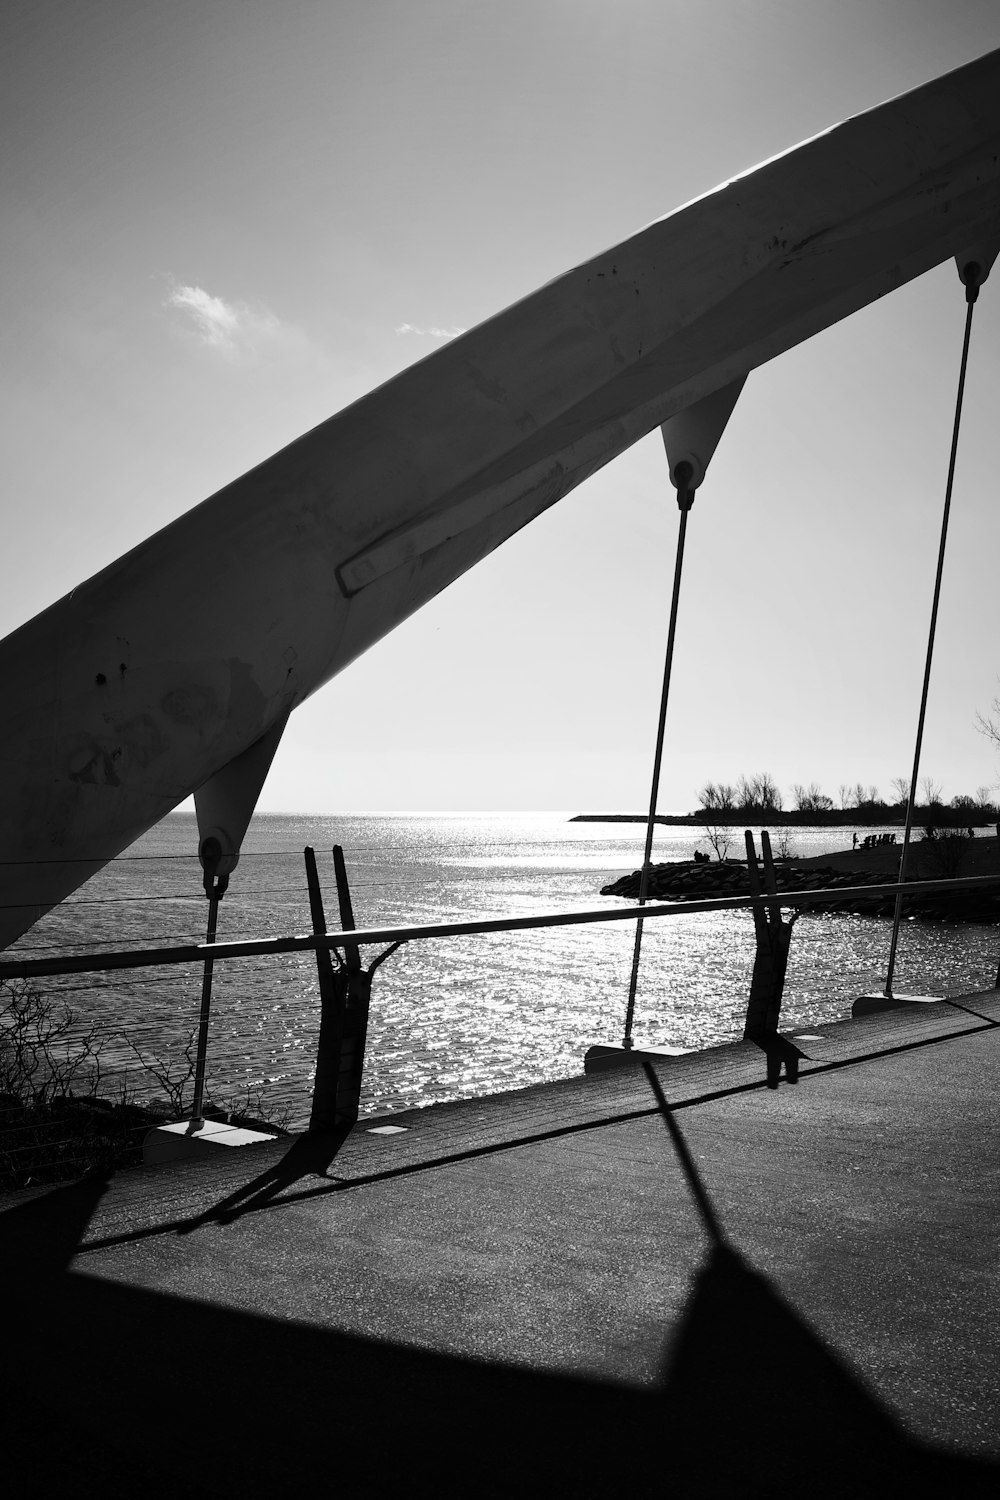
(869, 1005)
(192, 1138)
(598, 1058)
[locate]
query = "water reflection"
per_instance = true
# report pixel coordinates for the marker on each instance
(460, 1016)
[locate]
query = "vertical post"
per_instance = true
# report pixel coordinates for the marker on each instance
(781, 933)
(344, 996)
(197, 1108)
(762, 979)
(354, 1029)
(352, 953)
(773, 939)
(324, 1103)
(753, 880)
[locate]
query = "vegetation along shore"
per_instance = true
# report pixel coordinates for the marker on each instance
(758, 799)
(930, 859)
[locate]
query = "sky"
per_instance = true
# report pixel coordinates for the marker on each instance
(223, 220)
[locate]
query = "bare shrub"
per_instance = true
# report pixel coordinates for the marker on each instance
(40, 1057)
(942, 857)
(175, 1077)
(255, 1108)
(720, 839)
(783, 844)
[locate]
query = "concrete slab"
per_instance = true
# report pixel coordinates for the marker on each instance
(184, 1140)
(616, 1055)
(866, 1005)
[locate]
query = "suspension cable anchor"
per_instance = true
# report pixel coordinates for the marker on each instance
(681, 476)
(971, 277)
(974, 265)
(210, 855)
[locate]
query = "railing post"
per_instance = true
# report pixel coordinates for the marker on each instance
(354, 1030)
(344, 995)
(773, 939)
(215, 888)
(324, 1102)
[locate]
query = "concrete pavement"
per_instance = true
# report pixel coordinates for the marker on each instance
(517, 1293)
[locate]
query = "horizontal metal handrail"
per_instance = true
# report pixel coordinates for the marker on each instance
(141, 958)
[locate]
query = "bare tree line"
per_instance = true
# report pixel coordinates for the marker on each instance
(758, 795)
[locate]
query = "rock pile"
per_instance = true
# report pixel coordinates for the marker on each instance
(704, 882)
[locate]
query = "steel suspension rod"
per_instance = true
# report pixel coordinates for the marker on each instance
(971, 277)
(685, 499)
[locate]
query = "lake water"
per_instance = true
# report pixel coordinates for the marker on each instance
(455, 1016)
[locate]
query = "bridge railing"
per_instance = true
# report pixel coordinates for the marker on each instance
(163, 1044)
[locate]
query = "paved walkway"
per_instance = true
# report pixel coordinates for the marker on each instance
(518, 1294)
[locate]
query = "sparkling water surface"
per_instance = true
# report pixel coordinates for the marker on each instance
(454, 1017)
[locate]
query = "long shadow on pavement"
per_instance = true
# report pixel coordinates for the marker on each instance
(310, 1155)
(112, 1390)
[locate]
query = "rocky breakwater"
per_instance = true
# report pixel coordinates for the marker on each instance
(686, 881)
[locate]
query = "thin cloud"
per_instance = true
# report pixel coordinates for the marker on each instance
(231, 328)
(429, 333)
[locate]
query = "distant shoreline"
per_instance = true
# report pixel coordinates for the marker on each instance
(841, 818)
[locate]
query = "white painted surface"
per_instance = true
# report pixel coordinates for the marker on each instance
(179, 1141)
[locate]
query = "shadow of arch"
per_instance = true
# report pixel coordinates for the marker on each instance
(112, 1390)
(755, 1403)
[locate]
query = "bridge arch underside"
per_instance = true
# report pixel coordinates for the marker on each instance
(153, 676)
